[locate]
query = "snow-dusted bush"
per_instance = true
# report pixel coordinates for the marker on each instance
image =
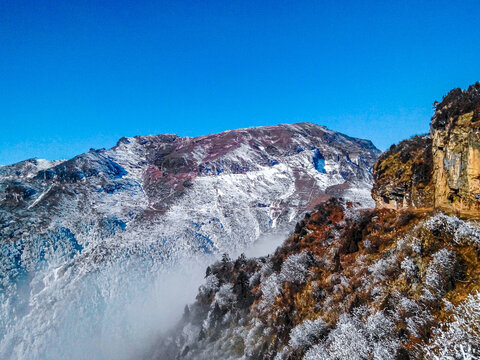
(224, 297)
(281, 354)
(442, 223)
(383, 268)
(441, 271)
(460, 338)
(251, 339)
(295, 268)
(307, 333)
(463, 232)
(318, 352)
(270, 290)
(265, 271)
(210, 286)
(355, 339)
(468, 233)
(410, 268)
(417, 246)
(349, 339)
(190, 333)
(420, 323)
(368, 245)
(408, 306)
(380, 329)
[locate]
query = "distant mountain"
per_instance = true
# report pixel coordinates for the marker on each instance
(81, 237)
(222, 190)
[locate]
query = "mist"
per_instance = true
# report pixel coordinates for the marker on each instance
(82, 309)
(113, 306)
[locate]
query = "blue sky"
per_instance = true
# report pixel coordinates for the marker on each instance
(80, 74)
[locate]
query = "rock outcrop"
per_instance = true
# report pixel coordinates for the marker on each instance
(455, 133)
(440, 170)
(403, 175)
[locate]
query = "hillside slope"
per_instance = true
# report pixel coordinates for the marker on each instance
(397, 282)
(347, 285)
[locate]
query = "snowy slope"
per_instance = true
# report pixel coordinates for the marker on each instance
(106, 225)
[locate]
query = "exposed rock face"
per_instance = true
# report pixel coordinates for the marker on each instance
(440, 170)
(455, 132)
(403, 175)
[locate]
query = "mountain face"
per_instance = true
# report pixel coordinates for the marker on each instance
(83, 240)
(396, 282)
(268, 176)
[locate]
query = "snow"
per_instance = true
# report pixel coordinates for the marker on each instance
(458, 339)
(42, 195)
(307, 333)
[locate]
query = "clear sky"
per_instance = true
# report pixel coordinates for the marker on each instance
(77, 74)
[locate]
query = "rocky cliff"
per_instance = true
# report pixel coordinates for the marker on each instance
(440, 170)
(455, 132)
(403, 175)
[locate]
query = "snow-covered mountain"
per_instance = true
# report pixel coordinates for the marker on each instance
(85, 239)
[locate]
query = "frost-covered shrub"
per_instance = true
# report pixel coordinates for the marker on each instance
(307, 333)
(382, 339)
(416, 246)
(265, 271)
(270, 290)
(441, 271)
(369, 246)
(463, 232)
(190, 333)
(468, 233)
(348, 340)
(410, 268)
(420, 323)
(253, 335)
(318, 352)
(383, 268)
(408, 306)
(460, 338)
(281, 354)
(224, 297)
(210, 286)
(441, 223)
(355, 339)
(295, 268)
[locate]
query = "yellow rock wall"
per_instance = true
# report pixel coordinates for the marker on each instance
(456, 164)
